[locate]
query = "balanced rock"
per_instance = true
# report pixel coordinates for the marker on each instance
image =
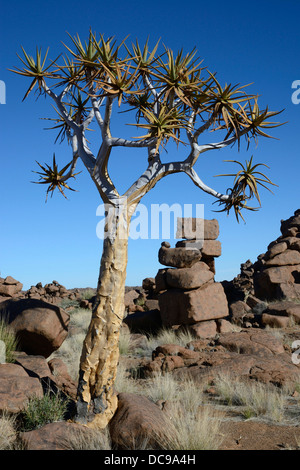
(189, 278)
(10, 287)
(197, 228)
(178, 257)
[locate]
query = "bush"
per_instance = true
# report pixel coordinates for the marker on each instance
(40, 411)
(8, 336)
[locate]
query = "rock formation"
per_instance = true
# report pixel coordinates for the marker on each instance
(188, 295)
(275, 276)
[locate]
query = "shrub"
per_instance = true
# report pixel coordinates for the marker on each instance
(8, 336)
(43, 410)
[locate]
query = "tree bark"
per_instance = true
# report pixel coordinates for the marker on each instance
(97, 400)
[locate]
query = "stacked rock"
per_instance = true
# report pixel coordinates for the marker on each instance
(278, 275)
(10, 287)
(189, 298)
(52, 292)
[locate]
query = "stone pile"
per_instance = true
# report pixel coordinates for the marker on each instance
(189, 298)
(274, 277)
(279, 273)
(10, 287)
(52, 292)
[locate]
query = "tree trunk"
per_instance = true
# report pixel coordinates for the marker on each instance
(96, 400)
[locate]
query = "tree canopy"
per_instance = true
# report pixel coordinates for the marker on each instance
(169, 97)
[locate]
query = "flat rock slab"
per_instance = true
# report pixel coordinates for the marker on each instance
(178, 257)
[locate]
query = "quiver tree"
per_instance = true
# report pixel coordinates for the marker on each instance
(171, 98)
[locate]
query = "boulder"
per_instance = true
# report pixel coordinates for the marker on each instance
(238, 311)
(10, 287)
(41, 327)
(202, 329)
(145, 322)
(53, 436)
(178, 257)
(180, 307)
(267, 282)
(288, 257)
(255, 354)
(189, 278)
(160, 281)
(16, 389)
(276, 250)
(275, 321)
(284, 309)
(211, 248)
(197, 228)
(137, 420)
(293, 221)
(148, 284)
(35, 366)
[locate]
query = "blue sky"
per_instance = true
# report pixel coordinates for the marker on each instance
(243, 42)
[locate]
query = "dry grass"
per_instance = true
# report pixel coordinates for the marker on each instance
(8, 433)
(91, 439)
(256, 399)
(198, 430)
(9, 339)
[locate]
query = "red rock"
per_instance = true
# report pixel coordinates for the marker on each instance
(288, 257)
(211, 248)
(160, 281)
(203, 329)
(10, 290)
(185, 307)
(9, 369)
(41, 327)
(52, 436)
(275, 321)
(178, 257)
(130, 297)
(15, 390)
(267, 282)
(256, 342)
(286, 309)
(224, 326)
(35, 366)
(189, 278)
(275, 250)
(196, 228)
(136, 419)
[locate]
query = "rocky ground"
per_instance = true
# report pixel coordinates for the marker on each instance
(220, 361)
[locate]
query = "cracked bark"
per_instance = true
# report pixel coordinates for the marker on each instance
(97, 400)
